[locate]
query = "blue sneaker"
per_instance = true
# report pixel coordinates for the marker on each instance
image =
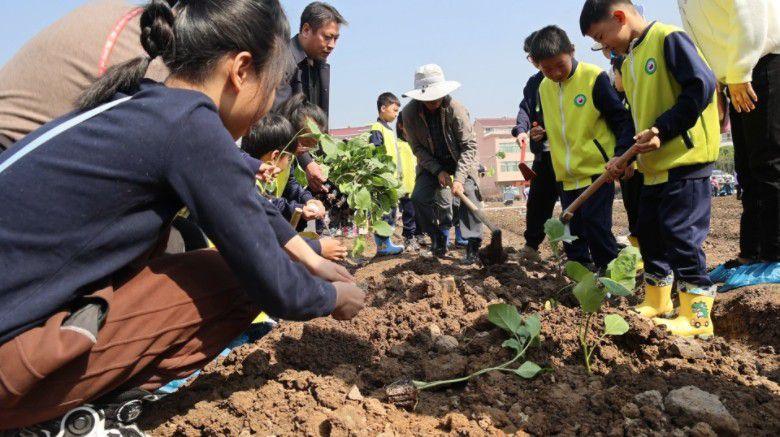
(753, 274)
(459, 240)
(385, 247)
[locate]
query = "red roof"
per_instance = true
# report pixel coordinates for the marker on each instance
(349, 132)
(496, 122)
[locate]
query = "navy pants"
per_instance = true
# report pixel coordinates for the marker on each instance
(406, 206)
(433, 206)
(592, 225)
(674, 220)
(542, 196)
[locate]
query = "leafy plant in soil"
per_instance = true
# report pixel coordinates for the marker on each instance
(557, 233)
(523, 333)
(591, 291)
(365, 175)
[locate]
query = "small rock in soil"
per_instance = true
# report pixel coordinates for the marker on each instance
(446, 343)
(689, 405)
(652, 398)
(701, 429)
(354, 394)
(434, 331)
(687, 348)
(630, 410)
(403, 394)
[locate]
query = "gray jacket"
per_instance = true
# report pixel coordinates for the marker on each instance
(458, 133)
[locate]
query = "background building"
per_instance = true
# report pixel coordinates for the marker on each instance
(494, 135)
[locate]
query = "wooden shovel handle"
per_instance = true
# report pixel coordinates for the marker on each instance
(296, 217)
(621, 162)
(477, 212)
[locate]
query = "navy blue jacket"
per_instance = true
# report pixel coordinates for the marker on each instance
(530, 111)
(88, 202)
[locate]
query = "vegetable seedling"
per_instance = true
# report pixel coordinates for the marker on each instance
(557, 233)
(364, 174)
(523, 333)
(591, 291)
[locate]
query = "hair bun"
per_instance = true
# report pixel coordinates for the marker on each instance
(157, 34)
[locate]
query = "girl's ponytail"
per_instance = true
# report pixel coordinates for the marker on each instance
(157, 38)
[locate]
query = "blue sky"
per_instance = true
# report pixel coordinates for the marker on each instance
(478, 43)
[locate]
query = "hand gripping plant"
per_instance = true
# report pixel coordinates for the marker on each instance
(591, 291)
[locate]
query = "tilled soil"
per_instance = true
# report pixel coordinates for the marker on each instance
(326, 377)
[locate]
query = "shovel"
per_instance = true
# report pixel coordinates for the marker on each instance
(494, 253)
(528, 174)
(598, 183)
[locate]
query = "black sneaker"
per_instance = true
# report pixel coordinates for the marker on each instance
(115, 418)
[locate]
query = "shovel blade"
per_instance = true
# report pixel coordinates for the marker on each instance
(494, 253)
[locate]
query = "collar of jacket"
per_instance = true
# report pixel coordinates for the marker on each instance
(299, 55)
(641, 38)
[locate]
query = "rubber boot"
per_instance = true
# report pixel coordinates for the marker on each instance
(640, 266)
(443, 235)
(657, 301)
(472, 251)
(385, 247)
(694, 316)
(459, 240)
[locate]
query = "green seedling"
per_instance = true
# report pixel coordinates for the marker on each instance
(363, 173)
(523, 332)
(591, 291)
(557, 233)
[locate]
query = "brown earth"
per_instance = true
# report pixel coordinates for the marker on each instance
(327, 377)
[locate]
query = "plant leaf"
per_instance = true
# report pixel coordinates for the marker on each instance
(553, 228)
(300, 176)
(575, 271)
(363, 199)
(359, 247)
(528, 370)
(500, 155)
(381, 228)
(505, 316)
(314, 129)
(329, 145)
(623, 268)
(588, 294)
(615, 288)
(512, 343)
(615, 325)
(534, 325)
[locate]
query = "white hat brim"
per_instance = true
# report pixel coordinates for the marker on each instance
(434, 91)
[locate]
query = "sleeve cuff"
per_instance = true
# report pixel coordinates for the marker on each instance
(305, 159)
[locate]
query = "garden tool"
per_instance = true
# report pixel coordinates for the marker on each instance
(494, 252)
(296, 217)
(528, 173)
(566, 215)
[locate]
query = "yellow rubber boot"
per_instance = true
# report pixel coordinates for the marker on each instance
(694, 317)
(635, 242)
(657, 301)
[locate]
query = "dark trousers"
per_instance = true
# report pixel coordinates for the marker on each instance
(433, 206)
(592, 225)
(543, 194)
(631, 190)
(674, 220)
(408, 217)
(757, 161)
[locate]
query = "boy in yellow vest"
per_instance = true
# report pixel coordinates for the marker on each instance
(671, 91)
(584, 121)
(382, 135)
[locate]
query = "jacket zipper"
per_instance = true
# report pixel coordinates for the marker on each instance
(563, 129)
(632, 61)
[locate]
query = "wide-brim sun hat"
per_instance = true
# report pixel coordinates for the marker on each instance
(430, 84)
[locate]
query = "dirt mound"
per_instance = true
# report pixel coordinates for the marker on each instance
(328, 378)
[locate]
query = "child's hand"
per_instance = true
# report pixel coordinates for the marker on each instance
(743, 97)
(333, 249)
(313, 210)
(538, 133)
(648, 140)
(267, 172)
(615, 172)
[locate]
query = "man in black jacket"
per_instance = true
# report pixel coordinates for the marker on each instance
(544, 189)
(310, 74)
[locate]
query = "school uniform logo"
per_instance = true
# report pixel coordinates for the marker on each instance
(580, 100)
(651, 66)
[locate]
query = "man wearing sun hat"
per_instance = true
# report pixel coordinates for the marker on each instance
(439, 129)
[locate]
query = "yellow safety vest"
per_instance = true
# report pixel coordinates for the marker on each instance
(580, 140)
(399, 151)
(652, 90)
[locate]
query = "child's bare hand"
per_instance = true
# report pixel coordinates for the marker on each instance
(615, 171)
(267, 172)
(333, 249)
(743, 97)
(313, 210)
(648, 140)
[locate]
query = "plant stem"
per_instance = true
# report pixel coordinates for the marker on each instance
(585, 328)
(422, 385)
